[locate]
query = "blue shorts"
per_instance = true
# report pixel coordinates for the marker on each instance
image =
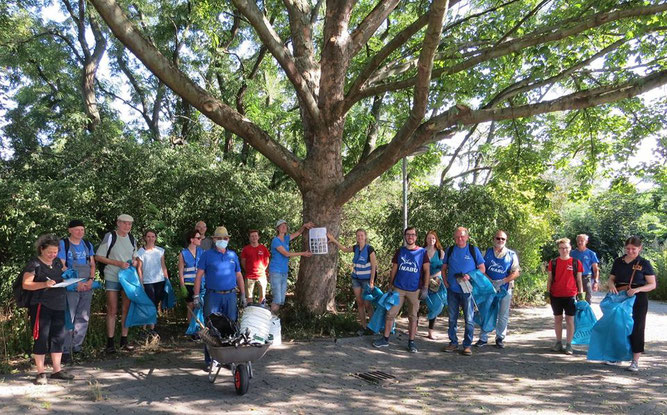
(357, 283)
(112, 286)
(278, 287)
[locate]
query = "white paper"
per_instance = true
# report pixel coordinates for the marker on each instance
(319, 243)
(68, 282)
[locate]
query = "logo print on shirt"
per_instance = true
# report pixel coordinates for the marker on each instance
(408, 265)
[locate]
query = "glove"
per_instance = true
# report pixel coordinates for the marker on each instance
(244, 301)
(195, 302)
(547, 297)
(424, 294)
(581, 297)
(184, 291)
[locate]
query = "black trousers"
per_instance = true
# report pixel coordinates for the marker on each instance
(51, 333)
(639, 311)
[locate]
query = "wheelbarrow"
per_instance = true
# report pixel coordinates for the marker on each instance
(238, 360)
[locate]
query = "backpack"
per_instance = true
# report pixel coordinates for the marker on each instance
(86, 244)
(575, 269)
(471, 248)
(114, 237)
(21, 297)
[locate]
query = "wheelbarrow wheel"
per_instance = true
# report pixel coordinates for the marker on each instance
(241, 379)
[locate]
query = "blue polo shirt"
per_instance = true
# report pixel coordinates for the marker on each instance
(220, 269)
(279, 262)
(461, 262)
(587, 258)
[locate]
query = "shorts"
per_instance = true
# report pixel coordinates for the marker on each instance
(413, 304)
(250, 286)
(191, 292)
(278, 287)
(112, 285)
(560, 304)
(155, 291)
(357, 283)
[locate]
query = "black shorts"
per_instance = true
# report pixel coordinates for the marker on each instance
(155, 291)
(560, 304)
(191, 293)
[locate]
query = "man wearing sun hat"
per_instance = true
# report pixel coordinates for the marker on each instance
(223, 279)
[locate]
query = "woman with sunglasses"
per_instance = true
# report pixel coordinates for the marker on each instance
(188, 259)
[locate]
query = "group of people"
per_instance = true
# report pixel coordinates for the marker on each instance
(207, 263)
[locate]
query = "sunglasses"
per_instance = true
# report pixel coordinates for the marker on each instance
(500, 239)
(198, 237)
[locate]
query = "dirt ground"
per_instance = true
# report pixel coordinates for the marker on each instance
(318, 378)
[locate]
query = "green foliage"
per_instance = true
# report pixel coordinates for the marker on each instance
(529, 288)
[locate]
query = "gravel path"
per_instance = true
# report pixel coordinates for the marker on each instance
(317, 378)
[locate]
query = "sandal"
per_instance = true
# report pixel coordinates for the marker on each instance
(41, 379)
(62, 375)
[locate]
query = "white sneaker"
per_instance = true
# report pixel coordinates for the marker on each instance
(611, 362)
(634, 366)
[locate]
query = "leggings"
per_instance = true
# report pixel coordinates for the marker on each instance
(639, 311)
(155, 291)
(51, 333)
(431, 323)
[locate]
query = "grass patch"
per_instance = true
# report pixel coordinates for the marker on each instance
(300, 324)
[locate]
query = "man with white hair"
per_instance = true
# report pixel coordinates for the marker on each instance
(589, 259)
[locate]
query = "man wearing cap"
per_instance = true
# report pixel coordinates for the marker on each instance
(117, 250)
(223, 279)
(77, 253)
(206, 241)
(590, 261)
(279, 265)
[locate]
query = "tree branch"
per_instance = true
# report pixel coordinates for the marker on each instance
(359, 36)
(209, 106)
(465, 173)
(279, 51)
(443, 175)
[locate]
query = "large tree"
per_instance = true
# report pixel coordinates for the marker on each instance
(443, 65)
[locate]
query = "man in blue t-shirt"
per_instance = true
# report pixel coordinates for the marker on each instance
(460, 259)
(589, 259)
(76, 253)
(409, 278)
(223, 279)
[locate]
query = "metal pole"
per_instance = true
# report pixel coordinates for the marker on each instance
(405, 192)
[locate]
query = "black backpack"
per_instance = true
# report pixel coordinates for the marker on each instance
(21, 297)
(575, 269)
(114, 236)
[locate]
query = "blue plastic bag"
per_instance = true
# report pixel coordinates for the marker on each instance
(609, 337)
(193, 328)
(384, 303)
(69, 274)
(436, 301)
(584, 320)
(169, 299)
(69, 322)
(487, 314)
(371, 295)
(142, 310)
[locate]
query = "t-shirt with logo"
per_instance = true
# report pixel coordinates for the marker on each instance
(499, 267)
(256, 261)
(565, 284)
(220, 269)
(78, 253)
(461, 262)
(587, 258)
(409, 267)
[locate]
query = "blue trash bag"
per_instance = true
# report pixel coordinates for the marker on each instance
(386, 301)
(584, 320)
(609, 337)
(169, 299)
(487, 314)
(69, 322)
(142, 310)
(481, 286)
(371, 295)
(436, 301)
(69, 274)
(193, 328)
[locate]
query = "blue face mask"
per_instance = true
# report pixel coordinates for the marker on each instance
(222, 243)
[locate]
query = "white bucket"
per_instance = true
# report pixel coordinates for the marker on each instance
(275, 331)
(258, 321)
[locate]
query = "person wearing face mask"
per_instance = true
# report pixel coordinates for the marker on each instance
(502, 268)
(223, 279)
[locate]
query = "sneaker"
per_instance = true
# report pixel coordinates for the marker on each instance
(568, 349)
(62, 375)
(41, 379)
(381, 342)
(127, 347)
(611, 362)
(557, 347)
(634, 366)
(500, 343)
(480, 343)
(467, 351)
(207, 367)
(111, 349)
(411, 346)
(451, 347)
(361, 332)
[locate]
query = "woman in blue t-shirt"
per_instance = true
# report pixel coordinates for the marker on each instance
(279, 265)
(363, 273)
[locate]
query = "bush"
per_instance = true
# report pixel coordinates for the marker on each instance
(529, 288)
